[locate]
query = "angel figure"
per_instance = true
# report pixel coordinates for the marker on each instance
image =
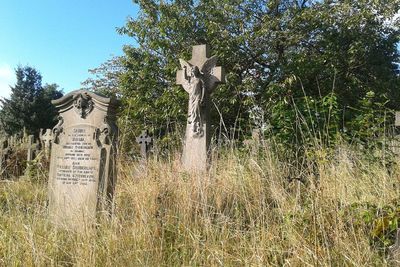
(197, 83)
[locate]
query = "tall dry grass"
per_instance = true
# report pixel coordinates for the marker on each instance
(248, 210)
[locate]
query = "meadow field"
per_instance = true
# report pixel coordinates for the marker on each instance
(339, 208)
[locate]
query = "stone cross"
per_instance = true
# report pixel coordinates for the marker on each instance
(46, 140)
(395, 249)
(145, 141)
(32, 148)
(199, 77)
(82, 172)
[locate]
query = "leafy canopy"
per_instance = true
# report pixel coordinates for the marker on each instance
(293, 67)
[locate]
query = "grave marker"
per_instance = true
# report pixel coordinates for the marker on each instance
(32, 147)
(3, 154)
(145, 141)
(397, 118)
(82, 164)
(199, 77)
(46, 140)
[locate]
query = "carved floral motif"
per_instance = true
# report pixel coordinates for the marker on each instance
(83, 104)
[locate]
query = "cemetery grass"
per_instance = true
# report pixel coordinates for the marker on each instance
(254, 209)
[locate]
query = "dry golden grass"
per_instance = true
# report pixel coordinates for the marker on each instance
(247, 211)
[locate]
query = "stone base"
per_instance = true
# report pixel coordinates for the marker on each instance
(195, 151)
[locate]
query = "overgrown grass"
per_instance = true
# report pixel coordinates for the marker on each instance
(249, 210)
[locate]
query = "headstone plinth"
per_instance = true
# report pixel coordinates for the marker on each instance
(199, 77)
(82, 163)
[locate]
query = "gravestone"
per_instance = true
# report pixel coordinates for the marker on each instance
(82, 163)
(145, 141)
(199, 77)
(397, 118)
(3, 154)
(394, 144)
(32, 147)
(46, 140)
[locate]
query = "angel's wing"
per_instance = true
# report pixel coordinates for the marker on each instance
(208, 76)
(186, 74)
(185, 64)
(209, 65)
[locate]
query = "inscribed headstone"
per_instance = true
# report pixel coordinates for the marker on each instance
(82, 162)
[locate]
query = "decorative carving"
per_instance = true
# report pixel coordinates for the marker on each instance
(198, 82)
(83, 104)
(102, 134)
(58, 129)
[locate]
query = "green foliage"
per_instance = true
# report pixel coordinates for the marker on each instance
(381, 222)
(371, 121)
(337, 50)
(303, 66)
(105, 80)
(29, 105)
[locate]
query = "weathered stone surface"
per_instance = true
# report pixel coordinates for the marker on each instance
(199, 77)
(82, 164)
(3, 155)
(32, 148)
(397, 119)
(145, 141)
(46, 139)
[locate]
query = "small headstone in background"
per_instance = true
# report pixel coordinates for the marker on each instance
(397, 119)
(3, 154)
(82, 162)
(46, 140)
(32, 147)
(199, 77)
(394, 144)
(145, 141)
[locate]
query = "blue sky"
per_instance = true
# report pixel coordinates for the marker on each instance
(60, 38)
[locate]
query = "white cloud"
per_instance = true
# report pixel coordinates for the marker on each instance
(7, 78)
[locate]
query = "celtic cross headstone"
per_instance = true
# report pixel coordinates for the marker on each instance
(145, 141)
(199, 77)
(46, 140)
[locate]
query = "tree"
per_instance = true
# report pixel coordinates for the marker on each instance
(284, 59)
(106, 78)
(29, 105)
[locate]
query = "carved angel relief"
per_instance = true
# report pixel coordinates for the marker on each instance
(102, 134)
(198, 82)
(83, 104)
